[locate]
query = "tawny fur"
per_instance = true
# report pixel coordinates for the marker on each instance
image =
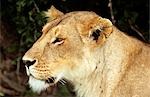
(115, 65)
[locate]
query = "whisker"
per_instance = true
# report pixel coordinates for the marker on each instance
(62, 82)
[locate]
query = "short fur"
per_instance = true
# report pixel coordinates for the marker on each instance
(112, 65)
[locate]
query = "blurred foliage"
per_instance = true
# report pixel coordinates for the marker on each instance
(30, 93)
(27, 19)
(135, 12)
(63, 91)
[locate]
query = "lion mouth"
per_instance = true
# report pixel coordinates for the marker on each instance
(51, 80)
(41, 84)
(54, 80)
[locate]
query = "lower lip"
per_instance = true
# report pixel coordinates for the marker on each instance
(51, 80)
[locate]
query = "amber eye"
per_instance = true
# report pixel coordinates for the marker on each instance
(58, 40)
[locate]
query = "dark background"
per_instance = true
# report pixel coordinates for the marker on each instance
(21, 22)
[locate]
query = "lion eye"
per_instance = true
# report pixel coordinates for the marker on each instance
(57, 41)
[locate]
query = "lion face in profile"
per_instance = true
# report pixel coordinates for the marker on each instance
(89, 51)
(65, 47)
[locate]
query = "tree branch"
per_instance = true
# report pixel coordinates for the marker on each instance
(136, 30)
(36, 6)
(7, 91)
(12, 84)
(111, 12)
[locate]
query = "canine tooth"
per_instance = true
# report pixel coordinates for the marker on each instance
(27, 70)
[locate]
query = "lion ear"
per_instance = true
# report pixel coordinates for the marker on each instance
(102, 30)
(107, 26)
(53, 13)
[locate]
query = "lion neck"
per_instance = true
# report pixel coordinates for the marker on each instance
(103, 68)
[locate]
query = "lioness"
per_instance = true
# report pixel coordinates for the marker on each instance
(90, 52)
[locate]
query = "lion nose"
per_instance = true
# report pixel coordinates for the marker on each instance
(28, 62)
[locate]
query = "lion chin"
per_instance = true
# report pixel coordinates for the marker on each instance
(38, 85)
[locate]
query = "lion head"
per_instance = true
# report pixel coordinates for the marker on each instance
(65, 47)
